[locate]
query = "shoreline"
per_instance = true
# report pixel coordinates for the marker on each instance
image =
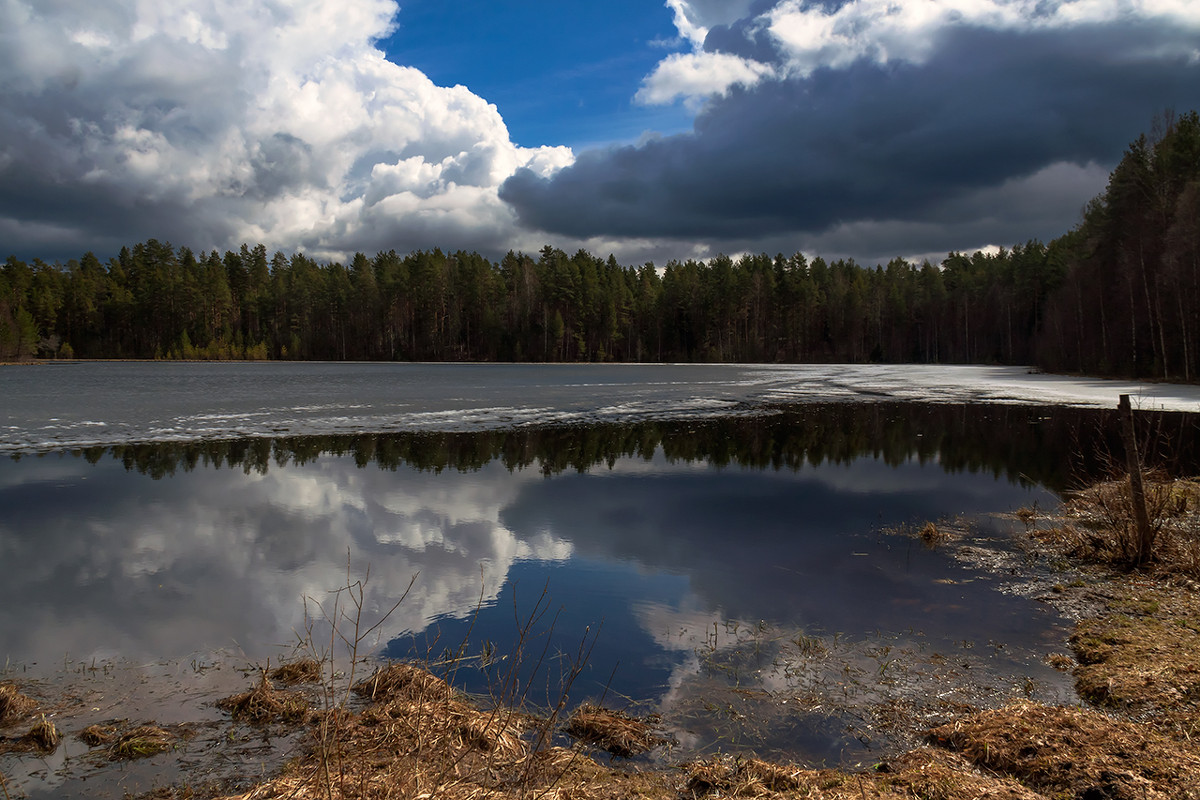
(1127, 739)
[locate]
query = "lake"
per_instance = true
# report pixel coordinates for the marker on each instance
(658, 536)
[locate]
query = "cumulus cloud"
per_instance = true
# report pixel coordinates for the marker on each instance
(217, 122)
(850, 127)
(907, 126)
(694, 18)
(698, 75)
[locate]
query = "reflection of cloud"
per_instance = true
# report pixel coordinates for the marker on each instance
(685, 629)
(774, 545)
(114, 563)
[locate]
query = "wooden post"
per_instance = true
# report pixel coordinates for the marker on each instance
(1137, 493)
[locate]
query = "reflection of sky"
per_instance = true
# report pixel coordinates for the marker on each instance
(104, 562)
(100, 561)
(780, 546)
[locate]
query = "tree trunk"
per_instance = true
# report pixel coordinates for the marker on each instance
(1137, 494)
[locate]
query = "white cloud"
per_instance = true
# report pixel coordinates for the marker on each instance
(699, 75)
(810, 36)
(280, 123)
(909, 30)
(694, 18)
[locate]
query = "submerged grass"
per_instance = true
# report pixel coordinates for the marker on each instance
(141, 742)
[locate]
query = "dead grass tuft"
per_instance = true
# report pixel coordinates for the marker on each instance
(1060, 661)
(98, 735)
(1073, 752)
(264, 703)
(731, 776)
(14, 706)
(44, 735)
(416, 737)
(305, 670)
(613, 731)
(932, 535)
(404, 681)
(142, 741)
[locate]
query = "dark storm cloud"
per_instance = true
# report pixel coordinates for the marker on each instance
(899, 141)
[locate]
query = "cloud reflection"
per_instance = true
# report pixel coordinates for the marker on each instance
(107, 563)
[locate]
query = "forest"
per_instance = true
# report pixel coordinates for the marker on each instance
(1117, 295)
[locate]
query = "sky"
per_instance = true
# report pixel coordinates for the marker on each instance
(865, 129)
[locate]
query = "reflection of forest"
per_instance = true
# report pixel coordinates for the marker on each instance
(1055, 447)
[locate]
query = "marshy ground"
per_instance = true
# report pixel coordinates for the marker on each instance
(403, 732)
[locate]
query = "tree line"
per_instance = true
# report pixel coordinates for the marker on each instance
(1039, 448)
(1117, 296)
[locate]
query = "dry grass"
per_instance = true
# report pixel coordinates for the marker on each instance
(43, 737)
(98, 735)
(1137, 662)
(612, 731)
(142, 741)
(1074, 752)
(264, 704)
(1102, 527)
(401, 681)
(737, 777)
(1143, 658)
(925, 773)
(14, 706)
(932, 535)
(935, 774)
(414, 736)
(304, 670)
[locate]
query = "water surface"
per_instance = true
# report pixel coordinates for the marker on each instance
(85, 403)
(693, 529)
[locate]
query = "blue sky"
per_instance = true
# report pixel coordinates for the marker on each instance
(561, 73)
(650, 130)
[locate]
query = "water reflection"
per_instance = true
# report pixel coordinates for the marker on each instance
(659, 532)
(103, 562)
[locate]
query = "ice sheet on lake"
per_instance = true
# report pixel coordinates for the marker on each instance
(78, 405)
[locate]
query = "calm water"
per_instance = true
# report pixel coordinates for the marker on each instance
(683, 517)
